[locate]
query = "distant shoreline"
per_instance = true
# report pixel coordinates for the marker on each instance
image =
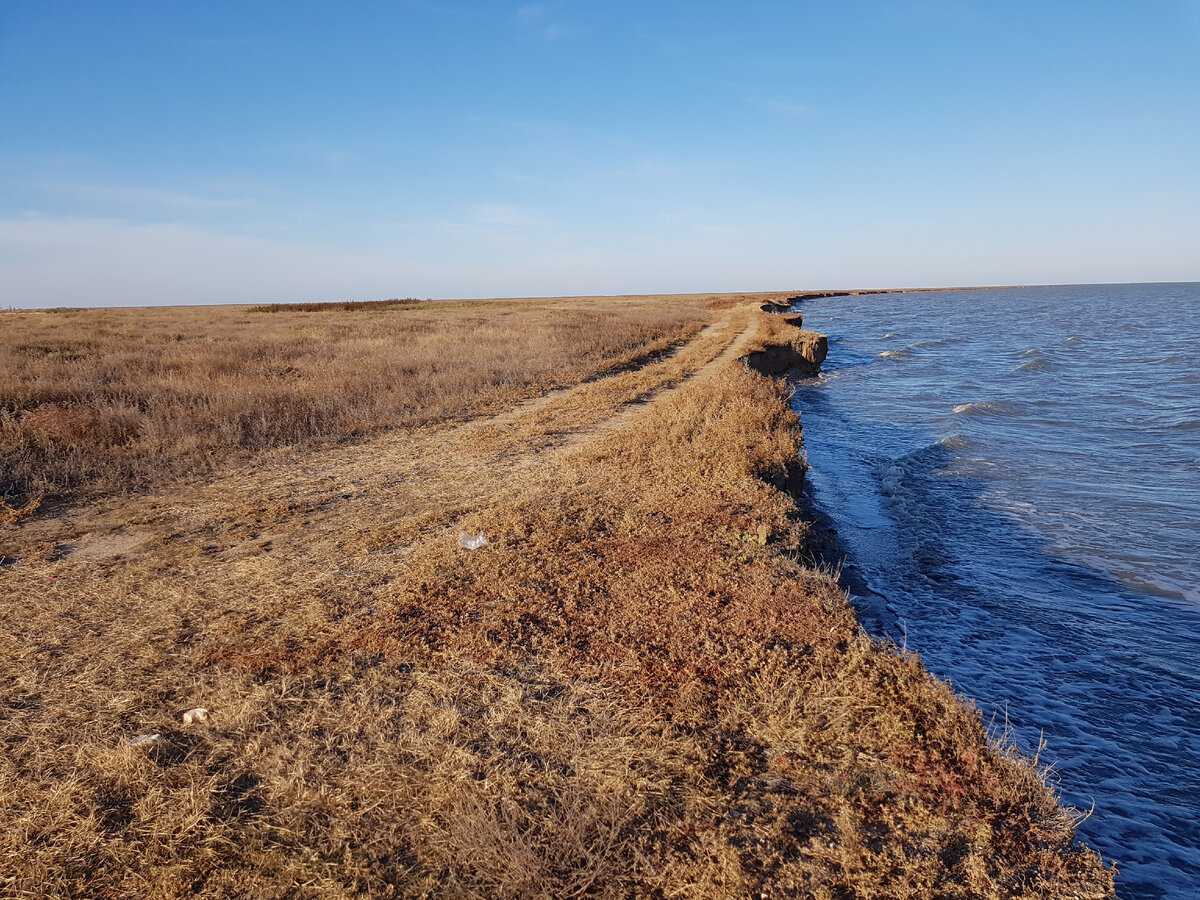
(682, 295)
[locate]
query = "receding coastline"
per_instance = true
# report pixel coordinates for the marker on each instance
(983, 504)
(639, 684)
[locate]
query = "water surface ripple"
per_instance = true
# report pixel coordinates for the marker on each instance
(1015, 474)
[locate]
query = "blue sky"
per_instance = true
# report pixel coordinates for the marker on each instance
(220, 152)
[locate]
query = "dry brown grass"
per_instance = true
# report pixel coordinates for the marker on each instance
(635, 688)
(102, 400)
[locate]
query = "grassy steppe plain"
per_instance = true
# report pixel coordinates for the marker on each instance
(637, 686)
(102, 400)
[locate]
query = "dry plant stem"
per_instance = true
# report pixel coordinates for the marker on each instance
(635, 687)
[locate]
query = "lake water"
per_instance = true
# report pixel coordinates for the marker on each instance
(1015, 476)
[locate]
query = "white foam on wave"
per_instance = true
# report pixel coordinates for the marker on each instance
(891, 480)
(1002, 503)
(985, 408)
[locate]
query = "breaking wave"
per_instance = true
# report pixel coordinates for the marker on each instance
(955, 442)
(988, 408)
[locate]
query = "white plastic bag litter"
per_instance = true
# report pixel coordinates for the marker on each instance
(142, 739)
(471, 541)
(198, 714)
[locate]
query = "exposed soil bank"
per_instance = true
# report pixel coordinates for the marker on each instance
(788, 305)
(802, 353)
(783, 347)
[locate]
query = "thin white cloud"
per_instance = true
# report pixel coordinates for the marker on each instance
(90, 262)
(780, 106)
(521, 178)
(538, 18)
(556, 31)
(335, 157)
(1190, 10)
(47, 261)
(125, 197)
(529, 12)
(508, 215)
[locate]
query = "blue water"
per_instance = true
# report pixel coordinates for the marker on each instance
(1015, 476)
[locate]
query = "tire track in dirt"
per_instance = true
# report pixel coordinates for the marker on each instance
(735, 348)
(539, 403)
